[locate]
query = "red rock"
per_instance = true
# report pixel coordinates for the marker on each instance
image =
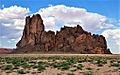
(6, 50)
(68, 39)
(32, 31)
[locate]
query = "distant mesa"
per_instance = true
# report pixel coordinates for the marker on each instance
(68, 40)
(6, 50)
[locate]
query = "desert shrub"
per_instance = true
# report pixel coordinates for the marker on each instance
(79, 66)
(32, 62)
(118, 61)
(82, 60)
(8, 67)
(46, 64)
(15, 62)
(61, 65)
(56, 65)
(100, 62)
(115, 64)
(16, 67)
(64, 65)
(88, 73)
(21, 72)
(58, 74)
(70, 74)
(34, 66)
(90, 60)
(9, 71)
(34, 73)
(100, 65)
(25, 65)
(41, 66)
(71, 60)
(88, 68)
(73, 70)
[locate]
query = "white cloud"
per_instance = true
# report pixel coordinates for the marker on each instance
(72, 16)
(12, 21)
(50, 22)
(113, 39)
(13, 16)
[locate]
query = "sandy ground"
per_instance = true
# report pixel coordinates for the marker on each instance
(104, 70)
(47, 55)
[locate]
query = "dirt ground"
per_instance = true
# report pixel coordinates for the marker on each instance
(89, 67)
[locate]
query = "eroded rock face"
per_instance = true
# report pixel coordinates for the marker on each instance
(32, 31)
(68, 39)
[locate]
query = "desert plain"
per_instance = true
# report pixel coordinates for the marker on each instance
(59, 64)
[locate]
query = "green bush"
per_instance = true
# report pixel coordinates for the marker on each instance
(58, 74)
(65, 66)
(100, 65)
(56, 65)
(70, 74)
(25, 65)
(21, 72)
(115, 65)
(79, 66)
(62, 65)
(8, 67)
(41, 67)
(88, 73)
(88, 68)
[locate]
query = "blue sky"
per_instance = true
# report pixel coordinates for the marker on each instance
(109, 9)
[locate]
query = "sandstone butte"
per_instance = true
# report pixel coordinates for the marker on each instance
(67, 40)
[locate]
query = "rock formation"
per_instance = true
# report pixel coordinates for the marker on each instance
(68, 39)
(6, 50)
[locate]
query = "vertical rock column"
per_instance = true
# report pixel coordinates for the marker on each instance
(32, 31)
